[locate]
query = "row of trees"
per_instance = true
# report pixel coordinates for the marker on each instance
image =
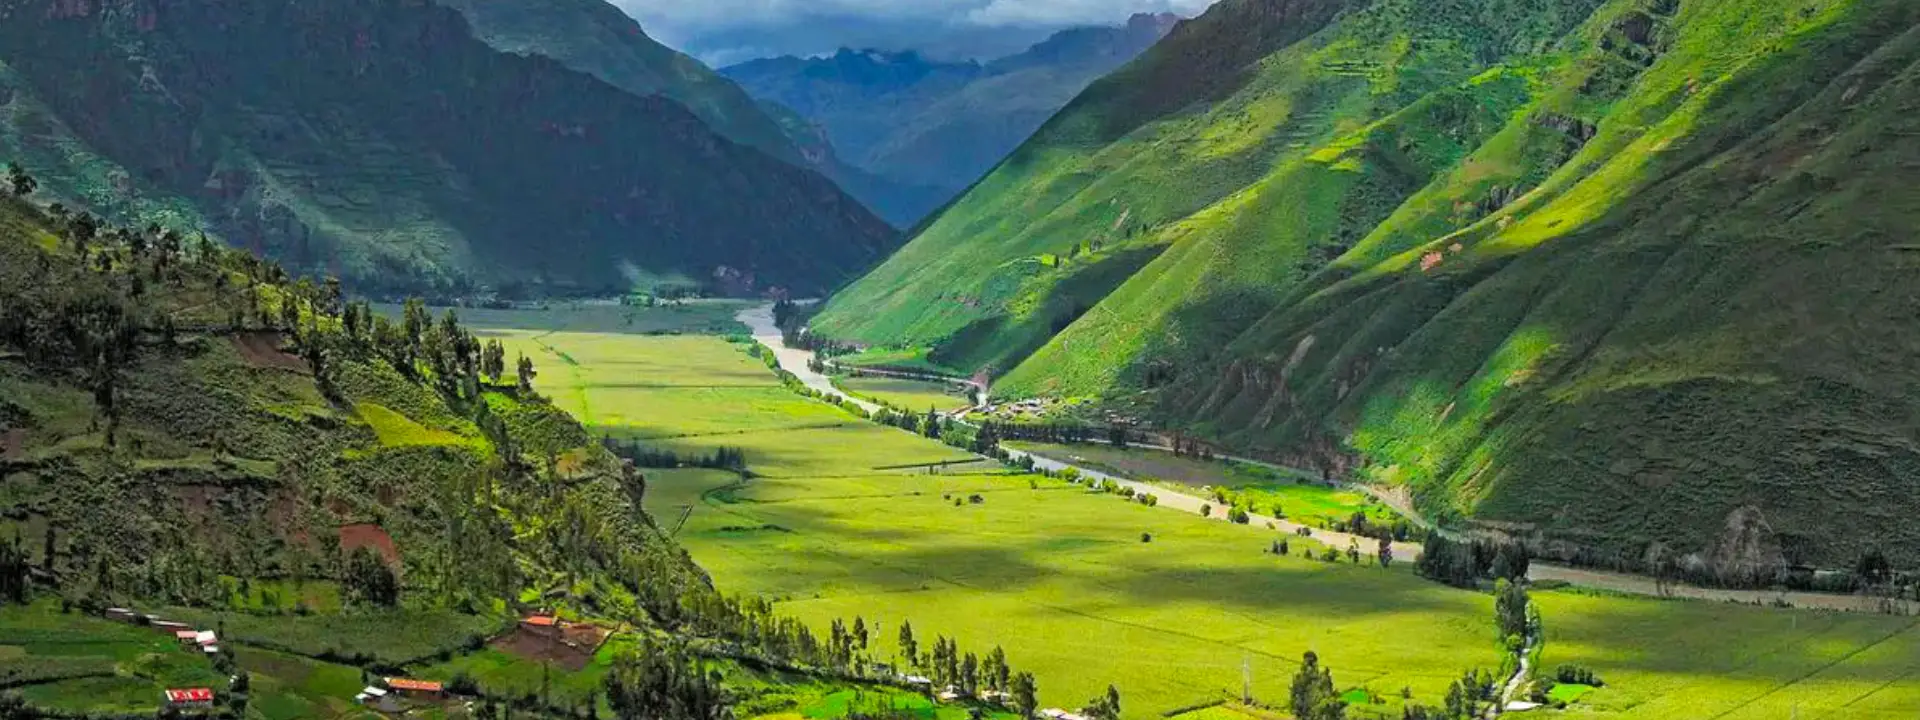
(1466, 564)
(722, 458)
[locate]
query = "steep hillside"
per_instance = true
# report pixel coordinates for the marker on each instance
(379, 140)
(180, 423)
(935, 124)
(1627, 277)
(595, 37)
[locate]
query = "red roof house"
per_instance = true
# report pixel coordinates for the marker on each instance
(190, 697)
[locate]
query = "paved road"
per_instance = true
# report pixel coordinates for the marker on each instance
(793, 360)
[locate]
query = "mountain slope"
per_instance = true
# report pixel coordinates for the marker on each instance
(595, 37)
(936, 124)
(178, 419)
(379, 140)
(1624, 277)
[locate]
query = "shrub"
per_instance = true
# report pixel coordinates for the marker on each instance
(1206, 510)
(1577, 675)
(1238, 516)
(1146, 537)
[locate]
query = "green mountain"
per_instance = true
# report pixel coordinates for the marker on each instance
(924, 123)
(1626, 277)
(180, 425)
(379, 140)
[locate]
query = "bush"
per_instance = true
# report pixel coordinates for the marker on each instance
(1238, 516)
(1577, 675)
(1206, 511)
(1146, 537)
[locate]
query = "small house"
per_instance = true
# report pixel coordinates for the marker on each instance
(205, 638)
(417, 689)
(186, 637)
(184, 698)
(541, 624)
(122, 615)
(168, 626)
(378, 699)
(918, 680)
(948, 695)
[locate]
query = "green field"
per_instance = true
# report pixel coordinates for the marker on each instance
(72, 662)
(1298, 496)
(1059, 576)
(714, 317)
(914, 395)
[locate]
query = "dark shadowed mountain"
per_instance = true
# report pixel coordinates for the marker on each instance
(378, 139)
(597, 38)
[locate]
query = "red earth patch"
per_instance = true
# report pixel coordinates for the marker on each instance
(262, 350)
(359, 535)
(572, 648)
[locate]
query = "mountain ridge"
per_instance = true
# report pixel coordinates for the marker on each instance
(395, 150)
(1452, 251)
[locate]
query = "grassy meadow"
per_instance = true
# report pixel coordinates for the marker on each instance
(1061, 577)
(1299, 497)
(915, 395)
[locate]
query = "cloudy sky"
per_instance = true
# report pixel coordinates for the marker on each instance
(727, 31)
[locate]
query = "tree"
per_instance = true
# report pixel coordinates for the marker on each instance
(493, 361)
(1025, 694)
(1511, 561)
(19, 181)
(1385, 552)
(665, 683)
(997, 670)
(970, 676)
(369, 579)
(1312, 695)
(909, 648)
(930, 427)
(1105, 707)
(1873, 568)
(859, 628)
(527, 374)
(1510, 608)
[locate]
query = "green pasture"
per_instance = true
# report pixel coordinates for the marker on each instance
(694, 316)
(914, 395)
(694, 394)
(1300, 498)
(392, 637)
(1060, 577)
(71, 662)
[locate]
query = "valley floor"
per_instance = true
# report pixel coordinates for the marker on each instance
(1085, 589)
